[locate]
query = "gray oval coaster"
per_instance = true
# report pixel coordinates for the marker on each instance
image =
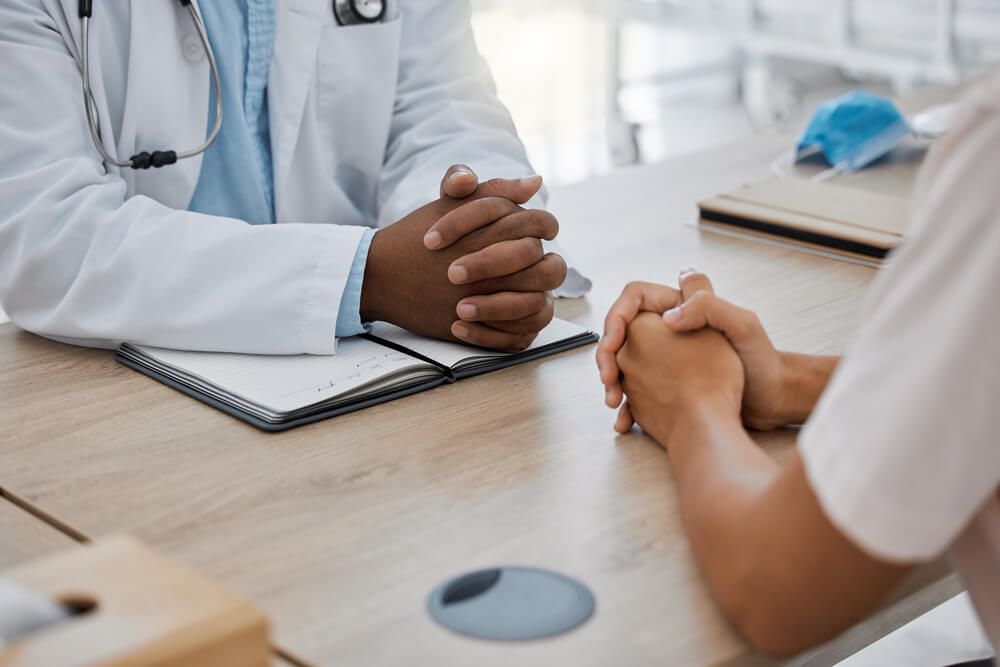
(511, 604)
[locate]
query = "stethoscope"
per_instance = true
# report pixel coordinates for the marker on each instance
(347, 12)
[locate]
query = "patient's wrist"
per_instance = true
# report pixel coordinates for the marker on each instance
(804, 379)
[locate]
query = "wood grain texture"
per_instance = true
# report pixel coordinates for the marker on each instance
(339, 530)
(24, 538)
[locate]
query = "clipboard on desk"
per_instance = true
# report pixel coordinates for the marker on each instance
(815, 216)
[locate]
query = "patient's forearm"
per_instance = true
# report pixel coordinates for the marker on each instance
(720, 476)
(806, 377)
(779, 569)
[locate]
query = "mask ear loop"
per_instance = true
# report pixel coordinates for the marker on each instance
(781, 165)
(835, 170)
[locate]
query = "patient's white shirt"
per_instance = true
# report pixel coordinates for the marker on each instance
(903, 450)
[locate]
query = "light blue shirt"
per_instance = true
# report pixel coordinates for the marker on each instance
(237, 179)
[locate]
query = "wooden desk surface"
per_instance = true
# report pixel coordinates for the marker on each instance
(24, 538)
(339, 530)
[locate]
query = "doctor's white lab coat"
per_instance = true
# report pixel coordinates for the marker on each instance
(365, 119)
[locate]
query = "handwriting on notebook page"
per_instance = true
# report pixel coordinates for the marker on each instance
(364, 371)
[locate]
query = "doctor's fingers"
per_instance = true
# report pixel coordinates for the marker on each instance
(481, 335)
(459, 182)
(545, 276)
(504, 306)
(497, 260)
(512, 312)
(526, 325)
(522, 224)
(488, 220)
(466, 219)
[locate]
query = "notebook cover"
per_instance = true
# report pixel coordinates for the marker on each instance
(840, 218)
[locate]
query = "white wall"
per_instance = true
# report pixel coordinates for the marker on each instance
(3, 316)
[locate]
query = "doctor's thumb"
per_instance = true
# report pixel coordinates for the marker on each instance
(459, 182)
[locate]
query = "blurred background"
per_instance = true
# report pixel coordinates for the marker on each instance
(594, 84)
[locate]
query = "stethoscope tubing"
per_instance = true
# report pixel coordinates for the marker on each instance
(91, 106)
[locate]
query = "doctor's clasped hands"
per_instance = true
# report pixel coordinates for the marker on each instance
(469, 266)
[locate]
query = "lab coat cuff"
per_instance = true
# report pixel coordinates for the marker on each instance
(349, 315)
(330, 276)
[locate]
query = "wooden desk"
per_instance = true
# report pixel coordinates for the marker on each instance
(339, 530)
(24, 538)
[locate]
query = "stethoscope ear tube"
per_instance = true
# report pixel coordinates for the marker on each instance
(154, 159)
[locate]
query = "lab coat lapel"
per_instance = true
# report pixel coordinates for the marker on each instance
(166, 105)
(293, 67)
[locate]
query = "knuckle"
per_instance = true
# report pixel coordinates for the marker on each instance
(541, 222)
(634, 288)
(530, 251)
(540, 301)
(546, 224)
(748, 323)
(492, 207)
(555, 270)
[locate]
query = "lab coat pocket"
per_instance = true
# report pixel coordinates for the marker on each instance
(357, 75)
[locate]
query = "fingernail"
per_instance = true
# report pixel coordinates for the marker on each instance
(459, 330)
(467, 311)
(688, 269)
(530, 179)
(673, 316)
(456, 175)
(433, 239)
(457, 274)
(607, 398)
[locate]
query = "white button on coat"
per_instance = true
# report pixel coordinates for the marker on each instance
(194, 52)
(365, 120)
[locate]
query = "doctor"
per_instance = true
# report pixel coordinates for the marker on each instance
(210, 121)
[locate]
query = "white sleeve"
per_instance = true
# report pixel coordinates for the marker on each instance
(903, 448)
(447, 112)
(78, 261)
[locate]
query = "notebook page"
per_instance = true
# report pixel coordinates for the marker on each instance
(285, 383)
(450, 354)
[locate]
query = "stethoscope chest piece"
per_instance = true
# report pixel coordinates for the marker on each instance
(354, 12)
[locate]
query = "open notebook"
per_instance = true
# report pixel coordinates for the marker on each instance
(276, 393)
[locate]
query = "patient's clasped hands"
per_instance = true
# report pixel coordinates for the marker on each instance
(468, 266)
(671, 354)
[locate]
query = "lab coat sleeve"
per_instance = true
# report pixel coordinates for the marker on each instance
(79, 261)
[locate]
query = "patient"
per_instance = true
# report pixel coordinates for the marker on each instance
(899, 459)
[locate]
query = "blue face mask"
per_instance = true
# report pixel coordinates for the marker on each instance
(853, 131)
